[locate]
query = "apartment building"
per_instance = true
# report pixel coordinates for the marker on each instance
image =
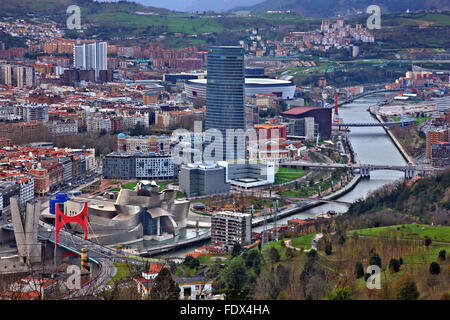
(229, 228)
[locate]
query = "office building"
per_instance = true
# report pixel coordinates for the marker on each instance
(225, 96)
(322, 117)
(202, 179)
(138, 166)
(249, 175)
(304, 128)
(229, 228)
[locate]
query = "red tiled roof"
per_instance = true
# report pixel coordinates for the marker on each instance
(299, 110)
(156, 267)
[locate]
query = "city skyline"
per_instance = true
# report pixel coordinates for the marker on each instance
(284, 150)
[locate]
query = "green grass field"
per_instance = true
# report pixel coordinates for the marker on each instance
(303, 241)
(129, 185)
(287, 174)
(122, 272)
(408, 231)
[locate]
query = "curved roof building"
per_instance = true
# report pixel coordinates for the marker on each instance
(282, 88)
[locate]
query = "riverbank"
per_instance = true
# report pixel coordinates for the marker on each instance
(397, 144)
(312, 203)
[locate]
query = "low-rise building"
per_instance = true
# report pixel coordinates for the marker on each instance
(248, 175)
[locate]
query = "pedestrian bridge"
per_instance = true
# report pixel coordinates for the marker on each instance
(347, 204)
(373, 124)
(364, 170)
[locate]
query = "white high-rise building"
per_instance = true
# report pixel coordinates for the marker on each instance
(79, 56)
(91, 56)
(102, 54)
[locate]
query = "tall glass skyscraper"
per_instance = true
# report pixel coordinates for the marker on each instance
(225, 92)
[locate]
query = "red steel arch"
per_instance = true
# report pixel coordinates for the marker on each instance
(81, 218)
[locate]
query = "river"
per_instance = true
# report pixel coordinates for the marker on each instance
(373, 146)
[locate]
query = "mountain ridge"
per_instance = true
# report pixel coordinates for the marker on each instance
(325, 8)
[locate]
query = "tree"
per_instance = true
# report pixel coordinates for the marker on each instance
(164, 288)
(340, 294)
(441, 255)
(236, 250)
(312, 253)
(341, 240)
(406, 288)
(290, 253)
(394, 265)
(375, 260)
(435, 268)
(359, 269)
(427, 241)
(236, 279)
(282, 278)
(274, 255)
(191, 262)
(328, 248)
(252, 258)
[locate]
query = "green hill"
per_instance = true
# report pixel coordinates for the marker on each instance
(56, 9)
(426, 200)
(325, 8)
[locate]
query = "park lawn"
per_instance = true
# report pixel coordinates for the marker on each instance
(409, 231)
(209, 259)
(201, 213)
(303, 241)
(162, 185)
(288, 174)
(416, 260)
(277, 245)
(129, 185)
(122, 272)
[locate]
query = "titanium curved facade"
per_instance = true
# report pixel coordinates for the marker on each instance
(225, 96)
(143, 213)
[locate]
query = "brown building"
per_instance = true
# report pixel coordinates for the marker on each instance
(5, 142)
(435, 136)
(55, 173)
(41, 180)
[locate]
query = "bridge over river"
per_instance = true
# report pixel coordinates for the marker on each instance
(410, 170)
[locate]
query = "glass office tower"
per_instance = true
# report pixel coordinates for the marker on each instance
(225, 94)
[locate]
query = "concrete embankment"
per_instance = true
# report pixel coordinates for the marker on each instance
(302, 207)
(257, 221)
(397, 144)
